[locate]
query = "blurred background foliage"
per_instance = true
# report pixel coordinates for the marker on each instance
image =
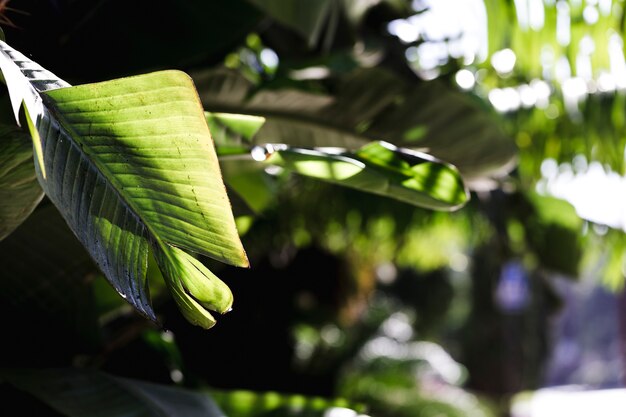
(408, 311)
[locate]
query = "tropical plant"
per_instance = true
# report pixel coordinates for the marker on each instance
(159, 177)
(102, 159)
(131, 166)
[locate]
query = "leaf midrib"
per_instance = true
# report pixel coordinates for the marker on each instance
(101, 169)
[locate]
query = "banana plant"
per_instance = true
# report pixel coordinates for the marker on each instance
(377, 167)
(370, 105)
(131, 166)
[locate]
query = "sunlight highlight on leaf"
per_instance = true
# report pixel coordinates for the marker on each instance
(130, 164)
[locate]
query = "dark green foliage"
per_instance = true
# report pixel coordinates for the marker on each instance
(330, 265)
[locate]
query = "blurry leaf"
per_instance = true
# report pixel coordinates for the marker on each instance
(498, 23)
(262, 404)
(555, 210)
(251, 183)
(131, 166)
(405, 385)
(311, 17)
(233, 135)
(305, 17)
(381, 168)
(370, 104)
(553, 232)
(19, 190)
(80, 393)
(231, 132)
(165, 344)
(612, 254)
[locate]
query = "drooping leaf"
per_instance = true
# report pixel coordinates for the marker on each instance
(369, 105)
(131, 166)
(80, 393)
(19, 190)
(378, 167)
(383, 169)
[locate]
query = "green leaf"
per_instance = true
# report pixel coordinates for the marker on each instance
(131, 166)
(241, 124)
(250, 181)
(77, 393)
(19, 190)
(553, 233)
(24, 91)
(196, 290)
(380, 168)
(436, 182)
(233, 135)
(148, 137)
(256, 404)
(370, 105)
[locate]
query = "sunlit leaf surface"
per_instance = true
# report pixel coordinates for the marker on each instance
(383, 169)
(369, 105)
(131, 166)
(256, 404)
